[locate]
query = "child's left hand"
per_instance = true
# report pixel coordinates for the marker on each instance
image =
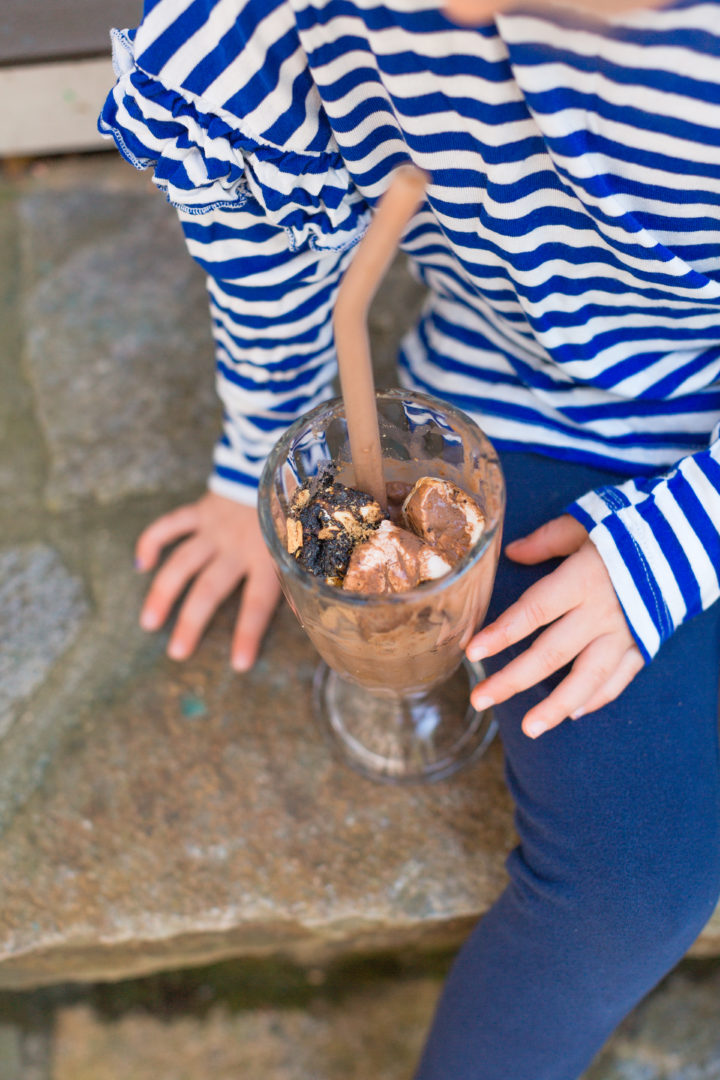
(579, 601)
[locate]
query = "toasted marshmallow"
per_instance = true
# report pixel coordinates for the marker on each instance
(444, 516)
(393, 560)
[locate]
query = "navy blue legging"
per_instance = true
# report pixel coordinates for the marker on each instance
(618, 865)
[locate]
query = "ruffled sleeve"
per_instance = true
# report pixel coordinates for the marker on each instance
(273, 226)
(203, 160)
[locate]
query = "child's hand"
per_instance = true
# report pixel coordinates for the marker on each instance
(224, 545)
(587, 623)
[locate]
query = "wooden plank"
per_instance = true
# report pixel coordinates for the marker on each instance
(53, 108)
(37, 30)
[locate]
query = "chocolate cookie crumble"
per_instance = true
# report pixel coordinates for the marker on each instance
(326, 521)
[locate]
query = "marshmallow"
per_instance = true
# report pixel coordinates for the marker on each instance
(392, 560)
(443, 516)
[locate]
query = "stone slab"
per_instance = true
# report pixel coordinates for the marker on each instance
(107, 649)
(117, 344)
(157, 817)
(34, 633)
(393, 312)
(188, 814)
(26, 1050)
(199, 815)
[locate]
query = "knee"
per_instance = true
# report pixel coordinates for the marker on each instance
(635, 906)
(690, 891)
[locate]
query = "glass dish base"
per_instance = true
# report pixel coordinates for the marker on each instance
(403, 738)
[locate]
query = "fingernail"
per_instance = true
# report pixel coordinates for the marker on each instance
(149, 621)
(577, 714)
(476, 652)
(482, 702)
(533, 728)
(139, 564)
(241, 663)
(176, 651)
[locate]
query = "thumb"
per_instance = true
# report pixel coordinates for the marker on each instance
(561, 536)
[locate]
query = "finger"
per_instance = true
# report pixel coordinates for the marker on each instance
(631, 663)
(594, 667)
(171, 579)
(208, 591)
(555, 648)
(561, 536)
(543, 603)
(260, 596)
(162, 532)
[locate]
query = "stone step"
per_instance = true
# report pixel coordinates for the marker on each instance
(157, 816)
(376, 1031)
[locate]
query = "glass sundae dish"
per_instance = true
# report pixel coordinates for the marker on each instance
(392, 690)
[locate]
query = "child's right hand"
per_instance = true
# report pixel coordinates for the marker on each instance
(223, 545)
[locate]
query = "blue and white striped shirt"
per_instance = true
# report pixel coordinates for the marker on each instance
(570, 239)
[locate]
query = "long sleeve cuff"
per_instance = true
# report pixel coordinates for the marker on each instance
(659, 538)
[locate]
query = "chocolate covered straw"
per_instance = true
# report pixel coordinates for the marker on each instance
(372, 258)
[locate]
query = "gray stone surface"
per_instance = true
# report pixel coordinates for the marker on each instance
(673, 1035)
(117, 345)
(109, 651)
(36, 1051)
(26, 1052)
(42, 608)
(21, 451)
(11, 1052)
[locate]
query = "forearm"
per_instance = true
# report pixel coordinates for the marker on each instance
(275, 359)
(271, 310)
